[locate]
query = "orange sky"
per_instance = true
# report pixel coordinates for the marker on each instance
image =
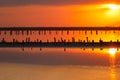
(67, 15)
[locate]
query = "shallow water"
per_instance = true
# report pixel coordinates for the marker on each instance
(58, 56)
(55, 64)
(67, 72)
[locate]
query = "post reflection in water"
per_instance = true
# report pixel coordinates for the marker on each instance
(112, 52)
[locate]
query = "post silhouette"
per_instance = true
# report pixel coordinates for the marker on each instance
(67, 32)
(3, 40)
(96, 32)
(73, 39)
(11, 32)
(91, 32)
(39, 32)
(85, 32)
(5, 32)
(87, 39)
(55, 39)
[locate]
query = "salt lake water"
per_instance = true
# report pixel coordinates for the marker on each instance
(57, 64)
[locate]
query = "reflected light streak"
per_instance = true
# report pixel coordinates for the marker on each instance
(112, 52)
(113, 74)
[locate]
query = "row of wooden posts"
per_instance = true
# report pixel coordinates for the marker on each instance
(43, 32)
(28, 40)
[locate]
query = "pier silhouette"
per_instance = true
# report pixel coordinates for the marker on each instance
(56, 28)
(61, 43)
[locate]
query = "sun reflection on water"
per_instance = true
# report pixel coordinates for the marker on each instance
(113, 73)
(112, 52)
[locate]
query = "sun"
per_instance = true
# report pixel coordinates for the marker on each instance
(112, 51)
(113, 6)
(112, 10)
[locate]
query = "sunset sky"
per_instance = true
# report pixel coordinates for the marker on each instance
(59, 12)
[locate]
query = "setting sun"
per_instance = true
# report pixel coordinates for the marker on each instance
(113, 6)
(112, 10)
(112, 51)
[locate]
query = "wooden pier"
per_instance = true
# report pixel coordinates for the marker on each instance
(56, 28)
(61, 44)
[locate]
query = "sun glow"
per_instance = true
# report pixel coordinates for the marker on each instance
(113, 10)
(112, 6)
(112, 51)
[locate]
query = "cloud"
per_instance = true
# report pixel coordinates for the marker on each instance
(47, 2)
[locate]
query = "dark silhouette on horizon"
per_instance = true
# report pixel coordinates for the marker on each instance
(56, 43)
(60, 43)
(57, 28)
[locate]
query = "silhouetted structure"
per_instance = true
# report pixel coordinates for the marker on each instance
(56, 43)
(57, 28)
(63, 44)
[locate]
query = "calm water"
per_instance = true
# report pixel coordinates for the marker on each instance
(40, 72)
(55, 64)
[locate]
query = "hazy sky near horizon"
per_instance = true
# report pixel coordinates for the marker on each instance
(58, 13)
